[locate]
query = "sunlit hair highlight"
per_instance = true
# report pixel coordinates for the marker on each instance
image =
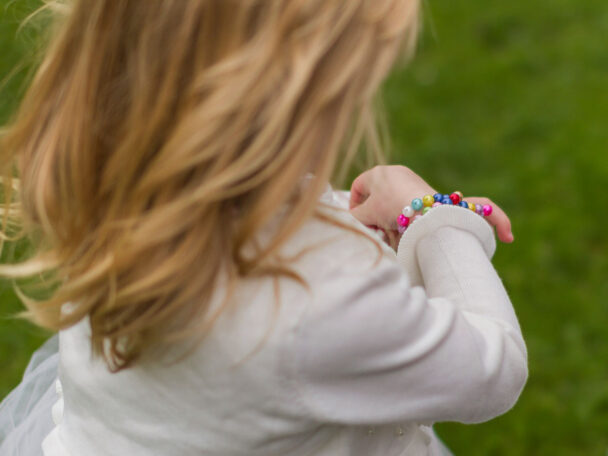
(158, 137)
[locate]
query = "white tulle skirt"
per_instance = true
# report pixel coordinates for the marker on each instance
(26, 413)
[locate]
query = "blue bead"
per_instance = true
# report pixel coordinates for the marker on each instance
(438, 197)
(447, 201)
(417, 204)
(447, 195)
(464, 204)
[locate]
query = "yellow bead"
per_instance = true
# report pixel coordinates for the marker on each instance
(428, 200)
(472, 207)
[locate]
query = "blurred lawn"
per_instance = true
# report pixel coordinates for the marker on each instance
(17, 339)
(508, 100)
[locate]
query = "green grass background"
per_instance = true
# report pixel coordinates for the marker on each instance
(509, 100)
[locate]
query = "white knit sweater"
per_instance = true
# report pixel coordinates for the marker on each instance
(362, 363)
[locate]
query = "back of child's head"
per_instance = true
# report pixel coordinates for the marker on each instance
(158, 136)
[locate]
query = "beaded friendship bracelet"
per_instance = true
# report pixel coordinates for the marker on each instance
(427, 202)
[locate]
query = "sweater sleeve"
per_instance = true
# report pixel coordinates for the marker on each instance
(372, 348)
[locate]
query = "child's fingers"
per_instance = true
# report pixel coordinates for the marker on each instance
(359, 190)
(501, 221)
(364, 213)
(498, 219)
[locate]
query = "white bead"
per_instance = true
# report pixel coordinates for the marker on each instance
(408, 211)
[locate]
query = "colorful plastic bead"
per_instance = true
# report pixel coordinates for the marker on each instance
(402, 220)
(455, 197)
(417, 204)
(428, 200)
(408, 211)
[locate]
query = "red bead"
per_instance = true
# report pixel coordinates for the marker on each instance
(402, 220)
(455, 197)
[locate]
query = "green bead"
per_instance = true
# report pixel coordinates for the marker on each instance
(425, 210)
(417, 204)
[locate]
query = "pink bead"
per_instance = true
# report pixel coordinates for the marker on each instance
(402, 220)
(436, 204)
(402, 229)
(487, 210)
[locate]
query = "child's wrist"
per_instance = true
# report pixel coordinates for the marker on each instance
(421, 206)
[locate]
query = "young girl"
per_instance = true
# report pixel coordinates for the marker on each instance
(213, 294)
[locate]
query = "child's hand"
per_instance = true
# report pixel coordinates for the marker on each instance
(379, 194)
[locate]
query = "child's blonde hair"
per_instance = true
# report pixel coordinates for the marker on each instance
(158, 136)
